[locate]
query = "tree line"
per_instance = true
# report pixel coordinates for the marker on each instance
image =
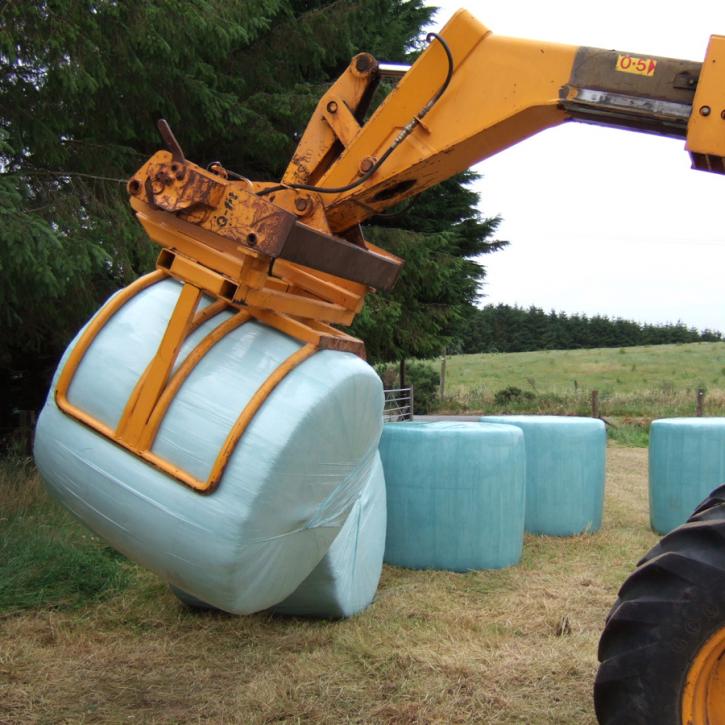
(506, 328)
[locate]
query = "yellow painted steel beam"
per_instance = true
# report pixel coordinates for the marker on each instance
(501, 92)
(306, 279)
(310, 331)
(251, 409)
(299, 306)
(331, 121)
(93, 329)
(147, 391)
(185, 369)
(706, 129)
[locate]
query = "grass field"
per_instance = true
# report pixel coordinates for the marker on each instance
(87, 637)
(646, 382)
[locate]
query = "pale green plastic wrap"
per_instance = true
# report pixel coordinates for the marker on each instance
(288, 488)
(455, 495)
(345, 581)
(565, 469)
(686, 462)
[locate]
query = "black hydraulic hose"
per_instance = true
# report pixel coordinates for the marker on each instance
(398, 140)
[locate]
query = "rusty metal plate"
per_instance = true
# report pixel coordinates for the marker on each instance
(179, 187)
(333, 255)
(251, 220)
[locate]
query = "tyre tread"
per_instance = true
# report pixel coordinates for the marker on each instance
(664, 612)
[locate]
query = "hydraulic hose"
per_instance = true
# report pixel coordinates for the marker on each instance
(407, 130)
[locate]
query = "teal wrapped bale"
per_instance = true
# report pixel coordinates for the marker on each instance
(346, 579)
(455, 495)
(686, 461)
(287, 490)
(565, 469)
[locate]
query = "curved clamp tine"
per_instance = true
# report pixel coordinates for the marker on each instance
(170, 140)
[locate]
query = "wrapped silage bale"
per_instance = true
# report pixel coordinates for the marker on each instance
(345, 581)
(289, 484)
(686, 462)
(455, 494)
(565, 472)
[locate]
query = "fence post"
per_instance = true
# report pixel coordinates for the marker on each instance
(443, 376)
(412, 405)
(595, 404)
(700, 402)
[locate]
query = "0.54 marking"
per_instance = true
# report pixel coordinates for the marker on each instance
(639, 66)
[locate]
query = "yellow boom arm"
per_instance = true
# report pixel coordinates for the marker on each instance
(292, 252)
(503, 90)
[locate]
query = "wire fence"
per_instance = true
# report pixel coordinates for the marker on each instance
(398, 405)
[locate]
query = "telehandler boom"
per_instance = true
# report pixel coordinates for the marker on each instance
(291, 254)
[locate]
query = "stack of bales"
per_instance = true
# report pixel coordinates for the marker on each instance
(460, 495)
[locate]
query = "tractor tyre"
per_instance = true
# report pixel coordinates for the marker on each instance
(712, 501)
(662, 652)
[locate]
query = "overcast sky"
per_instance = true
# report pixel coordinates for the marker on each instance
(579, 241)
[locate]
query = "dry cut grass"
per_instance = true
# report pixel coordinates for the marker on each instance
(510, 646)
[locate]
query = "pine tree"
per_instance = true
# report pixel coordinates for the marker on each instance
(440, 235)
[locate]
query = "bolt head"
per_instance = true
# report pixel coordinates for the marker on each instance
(364, 62)
(705, 110)
(366, 164)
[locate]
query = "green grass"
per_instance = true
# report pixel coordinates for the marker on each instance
(641, 382)
(634, 435)
(622, 370)
(46, 558)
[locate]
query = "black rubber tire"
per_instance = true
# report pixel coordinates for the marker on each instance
(666, 611)
(715, 498)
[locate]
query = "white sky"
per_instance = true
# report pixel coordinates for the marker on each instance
(581, 241)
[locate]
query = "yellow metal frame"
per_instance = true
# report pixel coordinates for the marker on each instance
(706, 129)
(703, 699)
(156, 388)
(219, 235)
(502, 91)
(145, 395)
(240, 276)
